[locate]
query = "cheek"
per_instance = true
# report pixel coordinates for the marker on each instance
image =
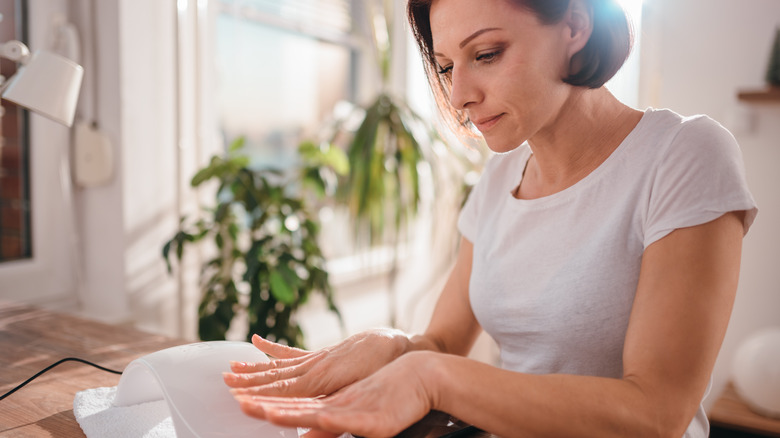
(521, 87)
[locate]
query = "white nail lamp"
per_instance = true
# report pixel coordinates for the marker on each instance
(45, 83)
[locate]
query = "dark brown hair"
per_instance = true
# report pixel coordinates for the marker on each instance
(603, 55)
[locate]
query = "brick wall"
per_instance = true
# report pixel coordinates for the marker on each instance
(15, 238)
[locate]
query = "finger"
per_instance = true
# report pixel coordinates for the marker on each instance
(257, 367)
(293, 387)
(285, 356)
(325, 420)
(296, 416)
(315, 413)
(247, 379)
(283, 412)
(362, 424)
(277, 350)
(295, 380)
(283, 402)
(251, 408)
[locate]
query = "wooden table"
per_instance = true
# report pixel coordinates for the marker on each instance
(32, 339)
(730, 416)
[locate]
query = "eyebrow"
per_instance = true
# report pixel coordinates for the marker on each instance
(471, 37)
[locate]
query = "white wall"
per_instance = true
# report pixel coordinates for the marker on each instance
(697, 55)
(123, 223)
(149, 158)
(98, 210)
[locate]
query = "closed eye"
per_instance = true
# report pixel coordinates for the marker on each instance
(488, 57)
(445, 70)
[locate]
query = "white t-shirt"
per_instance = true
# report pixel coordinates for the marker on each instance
(553, 279)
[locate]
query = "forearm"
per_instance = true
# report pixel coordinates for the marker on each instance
(508, 404)
(427, 342)
(453, 329)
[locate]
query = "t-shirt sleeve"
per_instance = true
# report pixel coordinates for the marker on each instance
(700, 177)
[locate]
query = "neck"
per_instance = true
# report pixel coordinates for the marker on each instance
(587, 129)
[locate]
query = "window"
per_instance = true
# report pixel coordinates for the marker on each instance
(625, 84)
(282, 65)
(41, 268)
(15, 236)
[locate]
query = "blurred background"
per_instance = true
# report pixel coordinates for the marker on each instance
(85, 212)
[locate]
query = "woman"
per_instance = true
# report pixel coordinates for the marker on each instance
(600, 249)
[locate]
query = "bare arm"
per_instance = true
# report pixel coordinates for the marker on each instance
(684, 297)
(453, 328)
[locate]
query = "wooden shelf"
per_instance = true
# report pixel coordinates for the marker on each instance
(771, 94)
(730, 412)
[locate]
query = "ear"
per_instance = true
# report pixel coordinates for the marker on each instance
(579, 25)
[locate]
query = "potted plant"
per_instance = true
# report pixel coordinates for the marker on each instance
(267, 259)
(394, 156)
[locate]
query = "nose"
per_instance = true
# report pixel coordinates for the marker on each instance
(464, 90)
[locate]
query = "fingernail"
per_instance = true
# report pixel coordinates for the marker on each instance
(229, 377)
(235, 364)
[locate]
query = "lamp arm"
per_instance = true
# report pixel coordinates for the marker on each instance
(15, 51)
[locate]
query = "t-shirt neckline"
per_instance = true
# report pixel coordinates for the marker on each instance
(583, 183)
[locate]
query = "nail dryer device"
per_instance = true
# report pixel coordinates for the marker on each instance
(189, 379)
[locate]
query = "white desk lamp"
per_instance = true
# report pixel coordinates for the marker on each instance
(46, 82)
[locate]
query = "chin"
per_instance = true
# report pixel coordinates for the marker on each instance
(502, 147)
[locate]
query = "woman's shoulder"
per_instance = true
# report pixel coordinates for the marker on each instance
(671, 135)
(697, 175)
(670, 124)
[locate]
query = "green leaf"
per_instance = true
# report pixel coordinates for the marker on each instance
(208, 172)
(165, 252)
(179, 246)
(337, 160)
(236, 145)
(238, 163)
(213, 326)
(280, 288)
(308, 150)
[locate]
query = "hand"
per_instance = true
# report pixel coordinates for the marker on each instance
(300, 373)
(383, 404)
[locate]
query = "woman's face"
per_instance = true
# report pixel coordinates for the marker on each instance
(505, 67)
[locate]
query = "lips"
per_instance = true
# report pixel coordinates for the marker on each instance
(486, 123)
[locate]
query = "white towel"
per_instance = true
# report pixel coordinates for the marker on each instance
(99, 419)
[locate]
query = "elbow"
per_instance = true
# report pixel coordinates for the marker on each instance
(671, 428)
(662, 417)
(661, 426)
(678, 423)
(674, 418)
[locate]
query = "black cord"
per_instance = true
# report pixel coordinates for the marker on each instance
(38, 374)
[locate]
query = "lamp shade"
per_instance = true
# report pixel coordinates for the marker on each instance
(47, 84)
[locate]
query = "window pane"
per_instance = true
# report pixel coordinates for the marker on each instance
(332, 16)
(276, 85)
(15, 239)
